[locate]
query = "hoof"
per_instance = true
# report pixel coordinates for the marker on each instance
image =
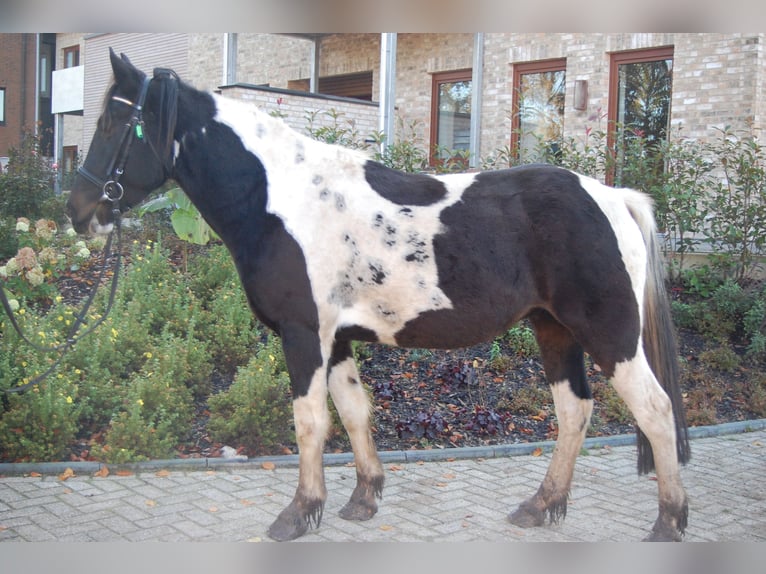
(287, 528)
(657, 536)
(362, 505)
(670, 524)
(359, 511)
(295, 520)
(527, 516)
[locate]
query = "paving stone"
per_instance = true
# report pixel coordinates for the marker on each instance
(457, 500)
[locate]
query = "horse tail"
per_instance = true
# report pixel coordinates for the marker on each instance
(658, 333)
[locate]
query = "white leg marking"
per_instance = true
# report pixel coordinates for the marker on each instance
(353, 405)
(312, 421)
(573, 414)
(638, 387)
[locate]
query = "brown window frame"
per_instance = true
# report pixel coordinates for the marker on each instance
(616, 59)
(521, 69)
(437, 78)
(76, 58)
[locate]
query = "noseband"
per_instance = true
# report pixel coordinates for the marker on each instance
(134, 128)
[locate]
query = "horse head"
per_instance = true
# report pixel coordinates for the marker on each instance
(131, 153)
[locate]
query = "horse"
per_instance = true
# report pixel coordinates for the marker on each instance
(332, 247)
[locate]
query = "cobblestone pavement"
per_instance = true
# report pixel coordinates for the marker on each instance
(445, 500)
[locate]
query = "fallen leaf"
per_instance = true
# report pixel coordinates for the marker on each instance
(395, 467)
(537, 452)
(246, 502)
(123, 473)
(102, 472)
(213, 509)
(35, 474)
(442, 484)
(150, 503)
(68, 473)
(268, 466)
(164, 473)
(67, 491)
(386, 527)
(448, 476)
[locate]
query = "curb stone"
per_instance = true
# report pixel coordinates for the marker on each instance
(339, 459)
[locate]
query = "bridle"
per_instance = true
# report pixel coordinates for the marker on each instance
(110, 185)
(112, 192)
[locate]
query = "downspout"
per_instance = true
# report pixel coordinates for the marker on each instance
(314, 66)
(477, 78)
(37, 82)
(229, 75)
(387, 88)
(24, 42)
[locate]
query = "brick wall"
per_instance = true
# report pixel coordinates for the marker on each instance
(296, 107)
(17, 76)
(718, 79)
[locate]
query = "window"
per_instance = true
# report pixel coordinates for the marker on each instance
(69, 165)
(70, 159)
(71, 56)
(451, 116)
(2, 106)
(640, 84)
(537, 124)
(357, 85)
(45, 70)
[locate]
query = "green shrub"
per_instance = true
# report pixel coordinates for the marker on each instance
(530, 399)
(41, 424)
(720, 358)
(255, 412)
(522, 339)
(26, 187)
(157, 416)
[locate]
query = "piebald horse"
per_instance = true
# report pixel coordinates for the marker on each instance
(332, 247)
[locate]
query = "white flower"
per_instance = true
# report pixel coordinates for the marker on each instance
(35, 276)
(22, 225)
(84, 253)
(4, 272)
(70, 232)
(13, 304)
(12, 266)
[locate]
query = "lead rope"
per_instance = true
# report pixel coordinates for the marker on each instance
(72, 335)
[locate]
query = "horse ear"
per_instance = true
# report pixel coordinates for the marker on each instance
(124, 71)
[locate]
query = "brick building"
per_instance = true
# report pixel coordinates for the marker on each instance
(475, 92)
(25, 89)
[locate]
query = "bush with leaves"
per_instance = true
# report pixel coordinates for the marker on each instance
(255, 412)
(737, 204)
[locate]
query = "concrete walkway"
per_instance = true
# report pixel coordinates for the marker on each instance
(447, 499)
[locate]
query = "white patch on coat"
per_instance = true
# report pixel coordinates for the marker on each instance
(370, 261)
(614, 204)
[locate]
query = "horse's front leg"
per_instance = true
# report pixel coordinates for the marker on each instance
(353, 405)
(308, 375)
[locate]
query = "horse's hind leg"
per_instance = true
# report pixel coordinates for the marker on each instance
(650, 405)
(565, 370)
(353, 405)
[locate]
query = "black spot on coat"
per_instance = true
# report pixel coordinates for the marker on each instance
(403, 188)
